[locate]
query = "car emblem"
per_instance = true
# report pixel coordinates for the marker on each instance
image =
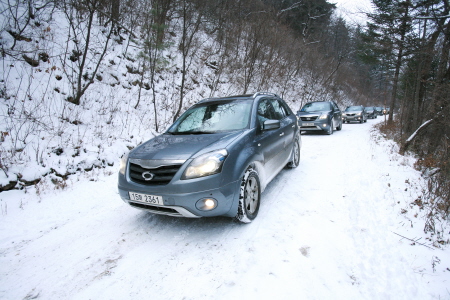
(148, 176)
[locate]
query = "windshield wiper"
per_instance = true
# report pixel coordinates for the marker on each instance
(200, 132)
(190, 132)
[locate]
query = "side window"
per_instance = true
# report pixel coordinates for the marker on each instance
(280, 110)
(287, 109)
(265, 111)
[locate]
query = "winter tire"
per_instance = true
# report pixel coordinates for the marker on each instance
(249, 196)
(295, 155)
(330, 130)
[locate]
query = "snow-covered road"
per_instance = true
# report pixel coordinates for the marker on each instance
(326, 230)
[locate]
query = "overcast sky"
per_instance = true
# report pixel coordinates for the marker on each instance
(353, 10)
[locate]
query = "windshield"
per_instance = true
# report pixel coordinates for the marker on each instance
(213, 117)
(353, 108)
(316, 106)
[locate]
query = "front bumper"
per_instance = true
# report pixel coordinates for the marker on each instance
(314, 125)
(179, 204)
(352, 118)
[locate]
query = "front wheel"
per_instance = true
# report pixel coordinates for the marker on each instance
(330, 129)
(295, 155)
(249, 196)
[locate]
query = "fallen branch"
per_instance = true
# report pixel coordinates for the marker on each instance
(414, 135)
(413, 240)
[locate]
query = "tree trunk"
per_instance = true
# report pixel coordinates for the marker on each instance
(398, 65)
(190, 28)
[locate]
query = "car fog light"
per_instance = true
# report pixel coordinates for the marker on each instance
(206, 204)
(324, 125)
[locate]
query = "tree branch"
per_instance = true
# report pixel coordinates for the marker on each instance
(415, 241)
(414, 135)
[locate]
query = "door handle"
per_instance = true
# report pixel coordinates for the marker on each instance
(281, 134)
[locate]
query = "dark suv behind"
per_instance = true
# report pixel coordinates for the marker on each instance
(371, 112)
(320, 116)
(379, 110)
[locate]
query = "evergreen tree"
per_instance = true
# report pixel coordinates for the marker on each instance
(387, 39)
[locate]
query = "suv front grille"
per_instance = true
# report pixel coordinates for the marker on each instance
(161, 175)
(308, 118)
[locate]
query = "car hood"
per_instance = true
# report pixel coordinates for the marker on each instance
(182, 147)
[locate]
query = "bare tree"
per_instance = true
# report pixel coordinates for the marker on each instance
(19, 20)
(190, 25)
(90, 47)
(153, 30)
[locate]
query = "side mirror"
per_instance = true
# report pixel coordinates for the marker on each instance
(271, 124)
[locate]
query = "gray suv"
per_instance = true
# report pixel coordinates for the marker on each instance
(320, 116)
(355, 113)
(215, 160)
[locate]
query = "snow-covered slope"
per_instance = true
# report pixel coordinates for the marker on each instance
(44, 134)
(329, 229)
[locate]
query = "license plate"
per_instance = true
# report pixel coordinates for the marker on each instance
(149, 199)
(307, 124)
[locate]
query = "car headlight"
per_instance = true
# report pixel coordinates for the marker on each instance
(323, 116)
(206, 164)
(358, 114)
(123, 163)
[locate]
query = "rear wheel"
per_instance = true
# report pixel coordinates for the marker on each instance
(249, 196)
(295, 155)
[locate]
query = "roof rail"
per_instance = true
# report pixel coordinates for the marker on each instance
(264, 93)
(210, 98)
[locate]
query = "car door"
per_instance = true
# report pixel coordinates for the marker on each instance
(287, 126)
(337, 114)
(271, 142)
